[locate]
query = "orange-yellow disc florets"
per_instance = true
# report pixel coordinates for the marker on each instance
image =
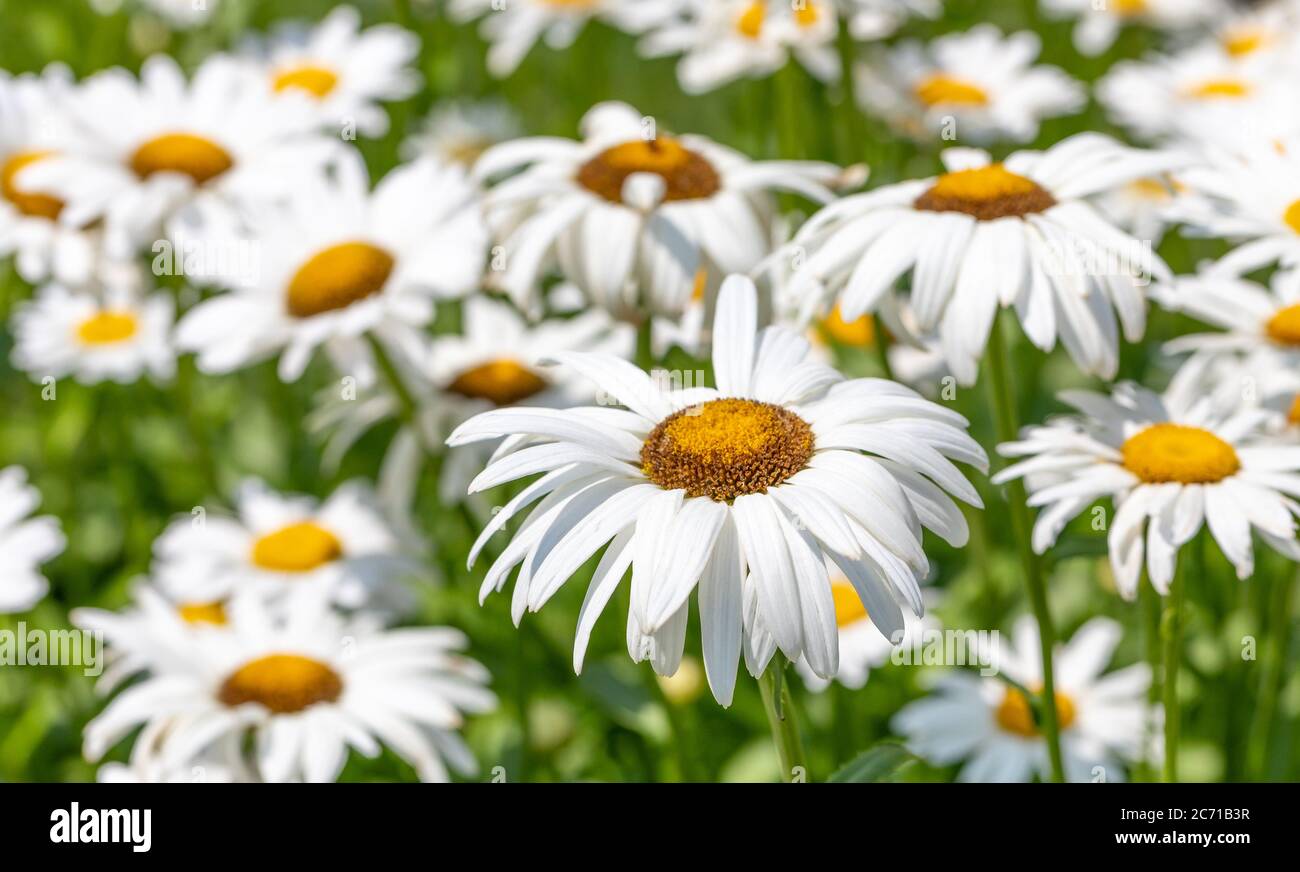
(299, 547)
(195, 156)
(337, 277)
(987, 193)
(1015, 716)
(503, 382)
(284, 683)
(1164, 453)
(687, 174)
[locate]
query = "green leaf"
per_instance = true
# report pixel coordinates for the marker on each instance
(878, 763)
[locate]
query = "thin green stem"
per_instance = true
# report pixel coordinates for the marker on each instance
(408, 408)
(645, 355)
(1271, 681)
(1008, 427)
(1171, 628)
(881, 337)
(783, 719)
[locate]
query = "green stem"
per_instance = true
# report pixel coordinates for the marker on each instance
(408, 409)
(1271, 681)
(1008, 427)
(881, 337)
(856, 146)
(1171, 628)
(783, 718)
(645, 355)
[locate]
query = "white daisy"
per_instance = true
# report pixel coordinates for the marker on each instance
(632, 216)
(878, 19)
(1256, 319)
(1100, 23)
(459, 133)
(339, 261)
(277, 543)
(112, 335)
(1143, 207)
(25, 542)
(1170, 463)
(159, 149)
(986, 235)
(1106, 721)
(1272, 28)
(743, 490)
(980, 84)
(513, 28)
(301, 690)
(724, 40)
(344, 70)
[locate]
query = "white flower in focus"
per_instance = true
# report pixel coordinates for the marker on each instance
(980, 83)
(740, 492)
(1105, 718)
(25, 543)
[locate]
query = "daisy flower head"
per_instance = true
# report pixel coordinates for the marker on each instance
(25, 543)
(985, 235)
(878, 19)
(339, 261)
(346, 72)
(739, 493)
(108, 334)
(987, 722)
(1266, 29)
(1144, 207)
(276, 543)
(512, 28)
(634, 217)
(1100, 23)
(724, 40)
(1254, 319)
(291, 694)
(981, 84)
(32, 129)
(459, 133)
(150, 150)
(1170, 463)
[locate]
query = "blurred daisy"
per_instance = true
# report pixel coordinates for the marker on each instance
(459, 133)
(1142, 208)
(347, 72)
(633, 216)
(987, 235)
(878, 19)
(724, 40)
(1100, 23)
(513, 28)
(182, 14)
(25, 542)
(276, 543)
(339, 261)
(303, 690)
(743, 491)
(1170, 463)
(156, 148)
(1255, 319)
(979, 83)
(113, 335)
(1105, 718)
(1271, 29)
(32, 129)
(1251, 196)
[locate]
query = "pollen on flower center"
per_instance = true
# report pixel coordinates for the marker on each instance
(31, 204)
(107, 327)
(749, 23)
(687, 175)
(848, 605)
(1284, 327)
(1015, 715)
(986, 193)
(337, 277)
(203, 613)
(502, 382)
(941, 89)
(195, 156)
(299, 547)
(723, 449)
(1220, 89)
(1167, 452)
(283, 683)
(317, 81)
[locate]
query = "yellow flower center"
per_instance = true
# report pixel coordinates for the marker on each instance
(987, 193)
(195, 156)
(723, 449)
(203, 613)
(1128, 8)
(107, 327)
(940, 89)
(687, 175)
(33, 205)
(807, 15)
(848, 605)
(1284, 327)
(1016, 716)
(503, 382)
(1149, 189)
(750, 22)
(317, 81)
(855, 333)
(1243, 42)
(1166, 452)
(1292, 216)
(337, 277)
(284, 683)
(1220, 89)
(1293, 413)
(299, 547)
